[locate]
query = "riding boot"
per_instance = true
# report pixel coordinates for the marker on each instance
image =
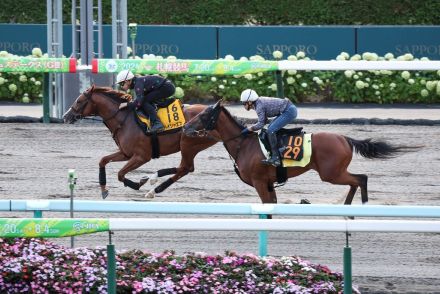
(275, 157)
(155, 123)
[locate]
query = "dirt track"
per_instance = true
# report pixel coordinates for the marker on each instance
(34, 159)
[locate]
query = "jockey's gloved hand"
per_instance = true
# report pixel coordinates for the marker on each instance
(245, 132)
(129, 105)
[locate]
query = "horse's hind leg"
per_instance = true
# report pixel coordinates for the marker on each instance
(186, 166)
(117, 156)
(353, 180)
(154, 178)
(350, 194)
(188, 152)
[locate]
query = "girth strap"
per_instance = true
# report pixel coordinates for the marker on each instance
(155, 150)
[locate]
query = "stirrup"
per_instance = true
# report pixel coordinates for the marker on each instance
(272, 161)
(157, 127)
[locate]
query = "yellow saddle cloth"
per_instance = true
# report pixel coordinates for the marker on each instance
(171, 116)
(306, 146)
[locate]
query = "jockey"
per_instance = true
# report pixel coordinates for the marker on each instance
(149, 89)
(282, 109)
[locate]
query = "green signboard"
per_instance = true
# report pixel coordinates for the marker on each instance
(26, 64)
(180, 66)
(50, 228)
(420, 41)
(317, 42)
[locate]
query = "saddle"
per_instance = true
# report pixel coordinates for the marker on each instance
(170, 113)
(294, 146)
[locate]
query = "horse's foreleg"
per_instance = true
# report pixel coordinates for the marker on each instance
(132, 164)
(117, 156)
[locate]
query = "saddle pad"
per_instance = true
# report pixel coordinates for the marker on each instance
(171, 116)
(307, 148)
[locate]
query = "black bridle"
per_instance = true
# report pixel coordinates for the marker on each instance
(209, 123)
(79, 109)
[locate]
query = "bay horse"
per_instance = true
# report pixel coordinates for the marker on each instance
(331, 154)
(134, 146)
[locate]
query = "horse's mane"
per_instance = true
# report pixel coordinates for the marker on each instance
(117, 96)
(233, 118)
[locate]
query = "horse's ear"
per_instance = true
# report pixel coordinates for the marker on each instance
(92, 88)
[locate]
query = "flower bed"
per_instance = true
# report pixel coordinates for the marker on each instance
(40, 266)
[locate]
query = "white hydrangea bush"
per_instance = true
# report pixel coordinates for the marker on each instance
(19, 86)
(374, 86)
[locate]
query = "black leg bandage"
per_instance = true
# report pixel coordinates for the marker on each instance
(166, 172)
(131, 184)
(163, 186)
(102, 176)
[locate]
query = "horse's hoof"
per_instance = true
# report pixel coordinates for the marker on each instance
(305, 201)
(104, 194)
(143, 181)
(154, 179)
(150, 194)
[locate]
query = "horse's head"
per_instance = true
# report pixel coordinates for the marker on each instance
(101, 101)
(82, 107)
(205, 121)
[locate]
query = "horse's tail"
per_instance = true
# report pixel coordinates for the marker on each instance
(370, 148)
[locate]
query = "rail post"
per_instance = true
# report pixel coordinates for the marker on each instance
(111, 266)
(262, 239)
(38, 214)
(72, 182)
(347, 266)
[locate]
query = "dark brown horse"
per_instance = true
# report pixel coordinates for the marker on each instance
(134, 146)
(331, 154)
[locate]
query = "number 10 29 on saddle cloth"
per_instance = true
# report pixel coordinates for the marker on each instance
(296, 150)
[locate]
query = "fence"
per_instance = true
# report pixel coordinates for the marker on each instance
(182, 66)
(70, 227)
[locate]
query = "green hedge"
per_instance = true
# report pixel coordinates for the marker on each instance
(238, 12)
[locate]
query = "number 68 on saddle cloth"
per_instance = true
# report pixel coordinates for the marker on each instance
(296, 149)
(171, 116)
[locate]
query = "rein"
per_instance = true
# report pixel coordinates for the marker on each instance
(209, 125)
(89, 98)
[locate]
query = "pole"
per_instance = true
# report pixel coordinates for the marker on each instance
(280, 86)
(46, 99)
(347, 266)
(72, 183)
(262, 239)
(132, 28)
(111, 266)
